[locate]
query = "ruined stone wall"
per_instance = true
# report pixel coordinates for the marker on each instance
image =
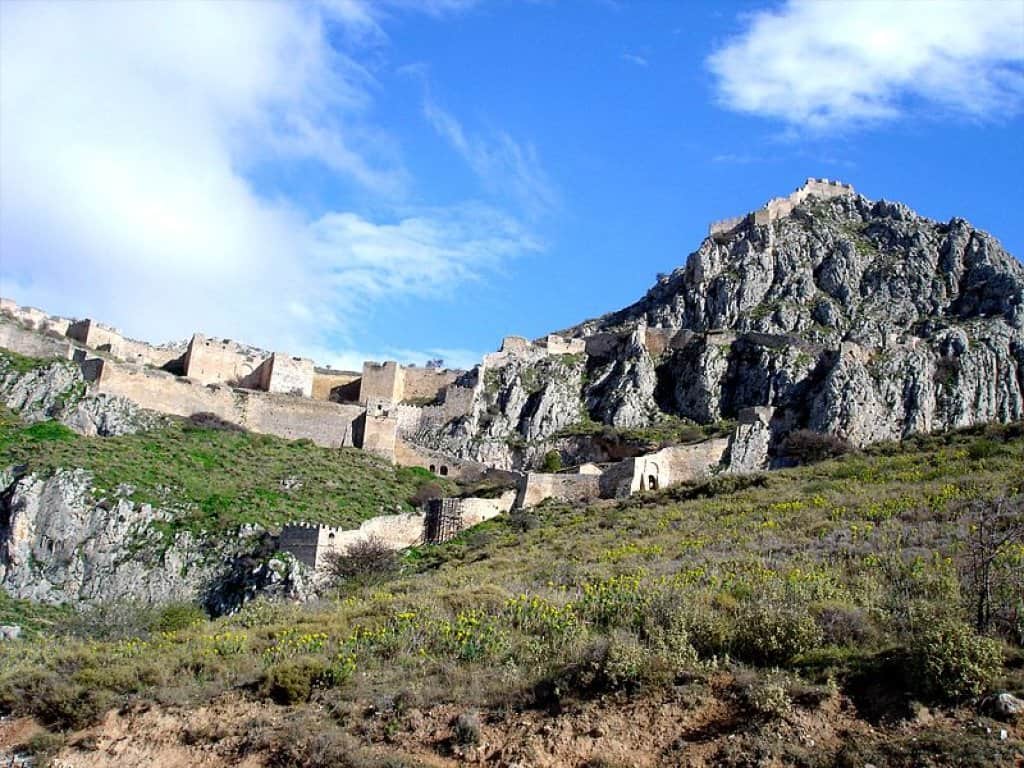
(538, 486)
(326, 424)
(476, 510)
(331, 425)
(381, 381)
(558, 345)
(779, 207)
(409, 455)
(424, 383)
(16, 338)
(458, 401)
(663, 469)
(326, 381)
(34, 318)
(288, 375)
(301, 541)
(659, 340)
(214, 361)
(379, 434)
(313, 544)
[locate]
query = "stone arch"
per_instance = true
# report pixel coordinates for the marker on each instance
(433, 468)
(650, 476)
(444, 470)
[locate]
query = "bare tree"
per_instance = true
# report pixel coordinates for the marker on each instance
(991, 529)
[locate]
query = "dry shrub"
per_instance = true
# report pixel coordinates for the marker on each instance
(364, 560)
(805, 446)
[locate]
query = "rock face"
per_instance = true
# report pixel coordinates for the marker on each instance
(58, 391)
(847, 316)
(58, 544)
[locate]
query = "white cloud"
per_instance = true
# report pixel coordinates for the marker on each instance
(128, 137)
(818, 64)
(505, 166)
(632, 58)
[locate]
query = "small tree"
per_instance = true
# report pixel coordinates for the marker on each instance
(436, 363)
(552, 461)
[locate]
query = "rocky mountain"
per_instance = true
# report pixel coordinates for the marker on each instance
(848, 316)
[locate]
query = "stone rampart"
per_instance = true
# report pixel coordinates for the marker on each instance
(426, 383)
(408, 454)
(326, 424)
(335, 386)
(288, 375)
(559, 345)
(381, 381)
(538, 486)
(213, 361)
(662, 469)
(660, 340)
(314, 544)
(779, 207)
(35, 318)
(16, 338)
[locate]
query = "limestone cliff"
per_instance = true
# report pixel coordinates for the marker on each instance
(57, 390)
(63, 542)
(848, 316)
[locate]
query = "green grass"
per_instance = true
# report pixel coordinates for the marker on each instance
(830, 572)
(13, 362)
(219, 479)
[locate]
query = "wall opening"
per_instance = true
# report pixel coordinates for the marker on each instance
(652, 482)
(433, 468)
(330, 540)
(444, 471)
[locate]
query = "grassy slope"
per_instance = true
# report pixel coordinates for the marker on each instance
(218, 478)
(825, 572)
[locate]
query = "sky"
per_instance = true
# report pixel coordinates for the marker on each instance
(414, 179)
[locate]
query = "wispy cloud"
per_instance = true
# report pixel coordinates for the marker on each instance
(816, 65)
(633, 58)
(127, 135)
(505, 166)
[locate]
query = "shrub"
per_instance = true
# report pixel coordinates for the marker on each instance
(177, 616)
(844, 625)
(207, 420)
(466, 728)
(773, 635)
(552, 461)
(425, 493)
(44, 745)
(950, 661)
(365, 560)
(805, 446)
(292, 681)
(768, 695)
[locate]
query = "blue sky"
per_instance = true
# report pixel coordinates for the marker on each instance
(406, 179)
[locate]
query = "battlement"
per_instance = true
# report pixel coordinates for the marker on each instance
(779, 207)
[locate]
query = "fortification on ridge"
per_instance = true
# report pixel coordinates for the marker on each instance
(778, 207)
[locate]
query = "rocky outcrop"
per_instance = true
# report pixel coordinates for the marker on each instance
(58, 391)
(846, 316)
(59, 544)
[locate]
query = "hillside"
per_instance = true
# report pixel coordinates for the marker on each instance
(819, 616)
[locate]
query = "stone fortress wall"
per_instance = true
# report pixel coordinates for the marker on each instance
(519, 348)
(779, 207)
(335, 386)
(286, 396)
